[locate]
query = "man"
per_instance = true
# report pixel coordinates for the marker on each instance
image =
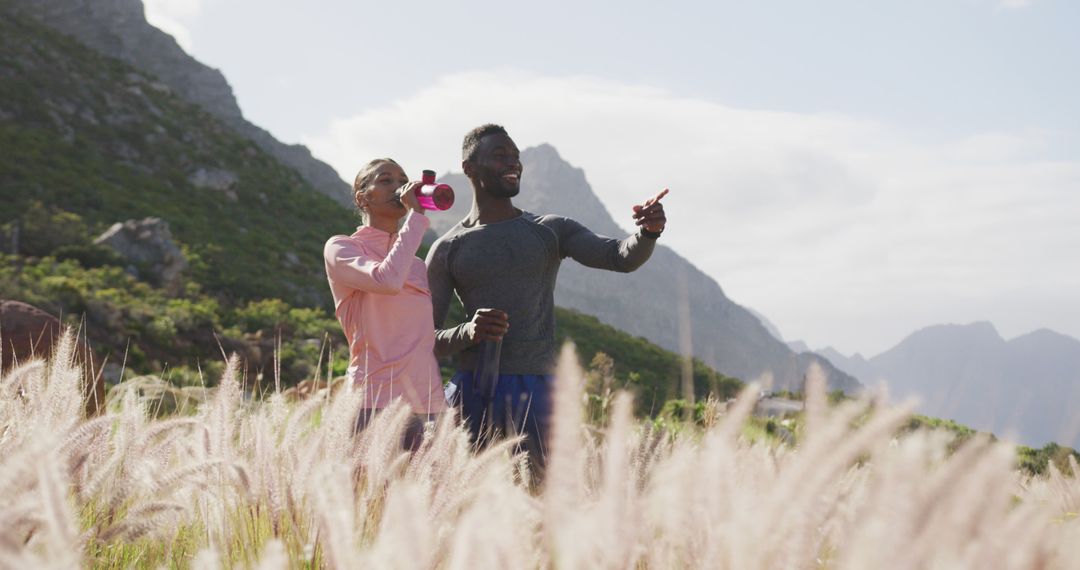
(502, 263)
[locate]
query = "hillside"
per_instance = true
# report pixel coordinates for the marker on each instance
(118, 29)
(645, 303)
(85, 142)
(87, 134)
(650, 372)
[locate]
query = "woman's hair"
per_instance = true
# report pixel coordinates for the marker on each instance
(364, 179)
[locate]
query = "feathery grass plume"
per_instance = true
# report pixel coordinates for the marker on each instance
(220, 414)
(61, 545)
(178, 475)
(86, 433)
(404, 538)
(339, 422)
(14, 557)
(113, 484)
(333, 502)
(14, 381)
(206, 559)
(808, 483)
(1067, 490)
(498, 524)
(732, 424)
(619, 509)
(448, 467)
(815, 399)
(565, 457)
(295, 448)
(651, 444)
(436, 451)
(21, 392)
(274, 484)
(61, 405)
(18, 464)
(957, 513)
(266, 467)
(380, 444)
(274, 556)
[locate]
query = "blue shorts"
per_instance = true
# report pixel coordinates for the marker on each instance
(521, 405)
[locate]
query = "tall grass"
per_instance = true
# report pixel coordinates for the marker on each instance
(281, 484)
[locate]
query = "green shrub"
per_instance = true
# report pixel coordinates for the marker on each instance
(1037, 461)
(89, 255)
(43, 229)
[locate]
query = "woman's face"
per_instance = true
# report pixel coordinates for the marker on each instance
(380, 198)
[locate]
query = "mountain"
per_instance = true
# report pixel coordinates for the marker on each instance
(87, 141)
(774, 330)
(118, 28)
(91, 136)
(1028, 387)
(798, 346)
(855, 365)
(724, 335)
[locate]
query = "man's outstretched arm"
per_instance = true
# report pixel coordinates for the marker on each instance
(582, 245)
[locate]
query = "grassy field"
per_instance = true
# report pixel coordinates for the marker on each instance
(283, 483)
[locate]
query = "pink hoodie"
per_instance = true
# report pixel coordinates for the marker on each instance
(382, 300)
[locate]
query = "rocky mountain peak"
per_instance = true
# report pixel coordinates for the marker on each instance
(953, 337)
(1047, 337)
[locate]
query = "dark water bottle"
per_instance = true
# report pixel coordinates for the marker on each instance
(486, 374)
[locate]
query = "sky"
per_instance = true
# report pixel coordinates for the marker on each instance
(853, 170)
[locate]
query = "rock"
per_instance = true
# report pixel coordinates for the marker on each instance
(217, 179)
(27, 332)
(148, 245)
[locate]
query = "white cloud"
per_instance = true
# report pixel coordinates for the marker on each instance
(173, 17)
(842, 231)
(1014, 3)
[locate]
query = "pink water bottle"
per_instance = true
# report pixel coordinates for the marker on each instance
(432, 196)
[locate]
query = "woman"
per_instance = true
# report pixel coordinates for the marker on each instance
(382, 300)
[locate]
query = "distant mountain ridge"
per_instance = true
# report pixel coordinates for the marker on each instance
(118, 28)
(1029, 385)
(724, 335)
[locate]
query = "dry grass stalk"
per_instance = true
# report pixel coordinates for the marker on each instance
(277, 484)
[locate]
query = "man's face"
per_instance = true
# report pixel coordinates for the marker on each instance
(497, 166)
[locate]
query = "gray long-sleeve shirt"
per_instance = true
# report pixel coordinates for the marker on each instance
(511, 266)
